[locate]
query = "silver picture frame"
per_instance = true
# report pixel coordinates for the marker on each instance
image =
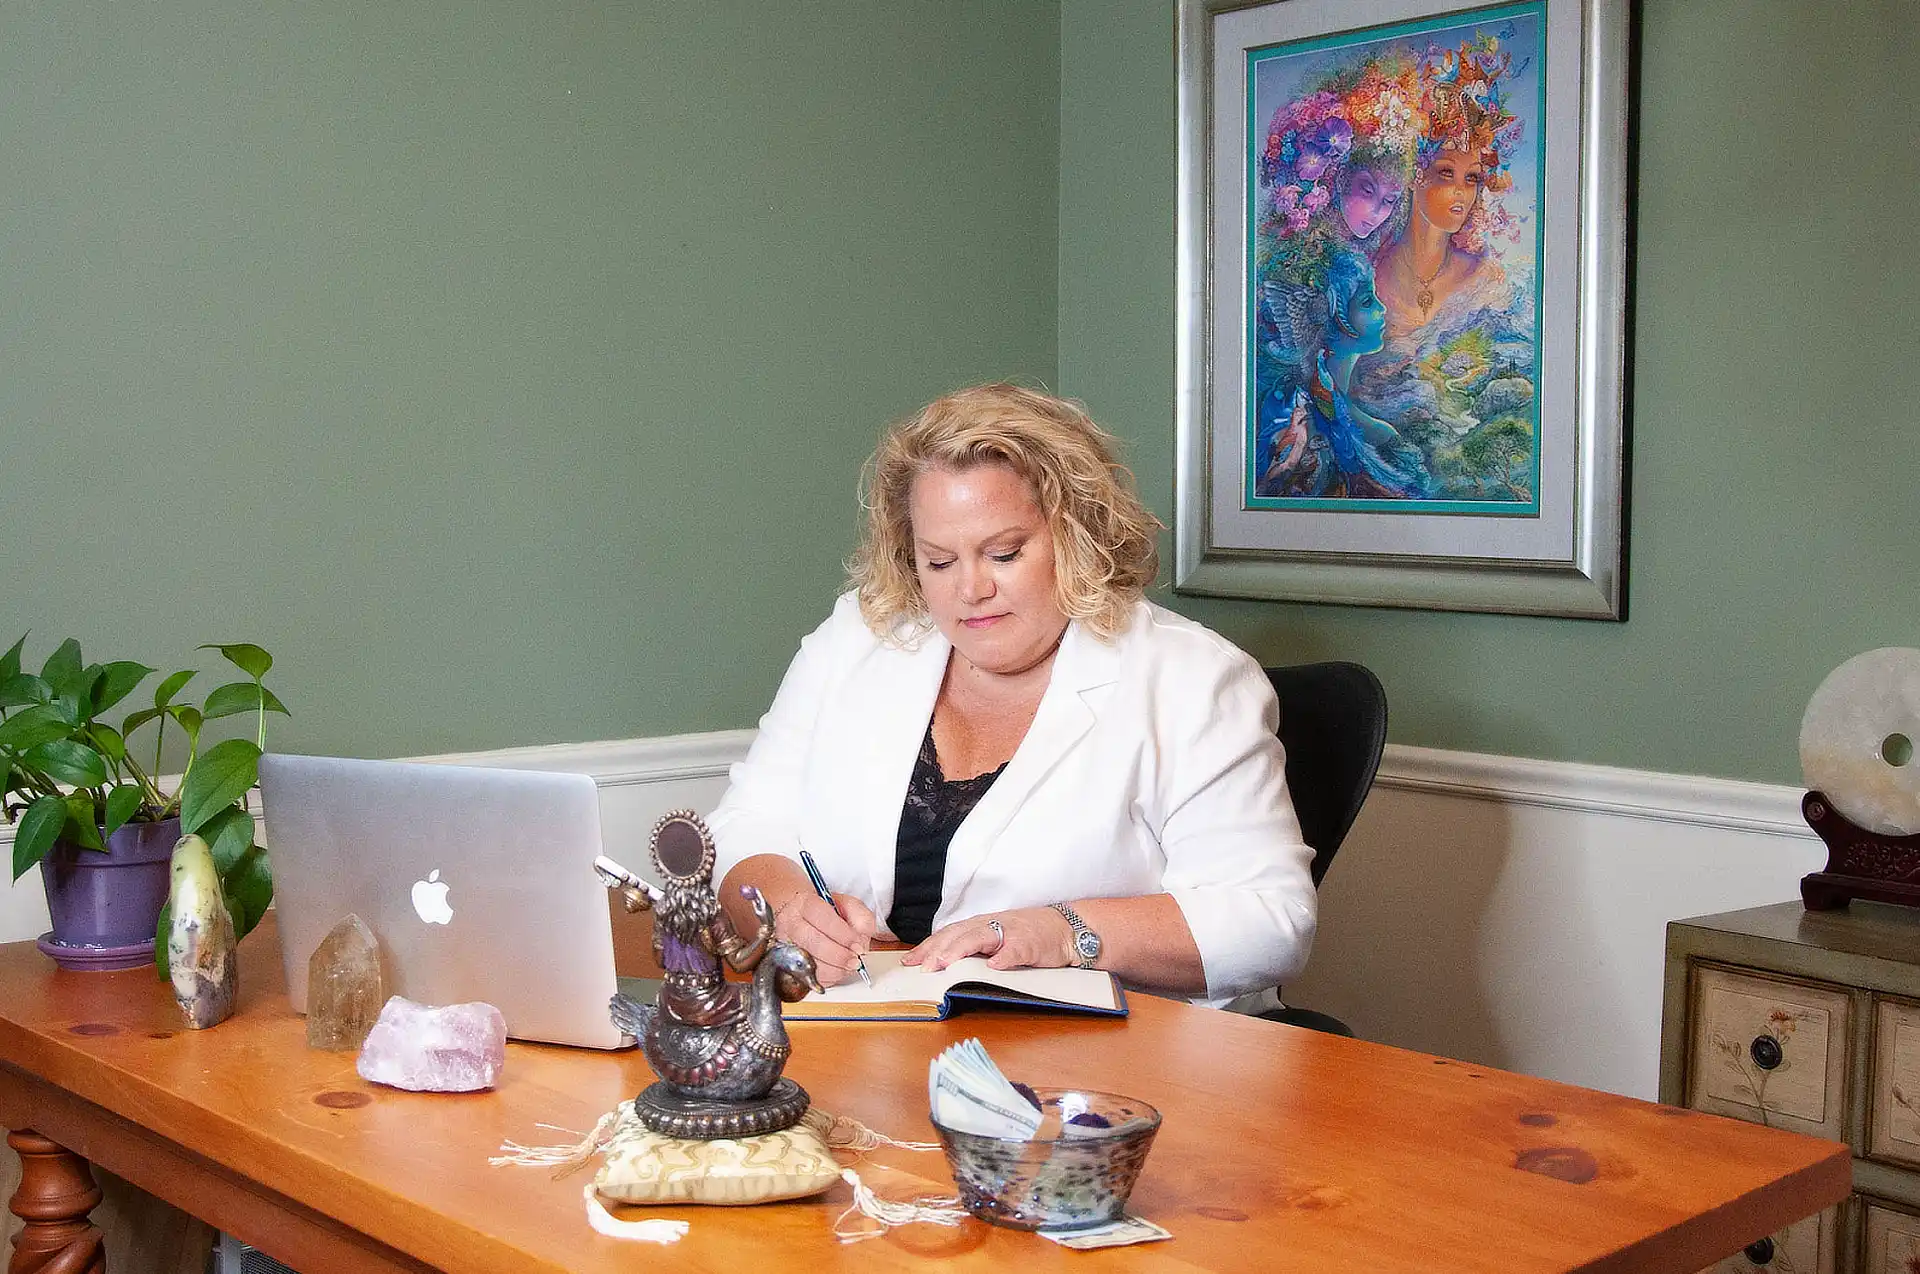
(1567, 560)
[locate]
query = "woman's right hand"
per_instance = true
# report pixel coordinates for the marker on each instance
(834, 940)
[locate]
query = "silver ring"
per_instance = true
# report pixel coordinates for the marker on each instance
(999, 933)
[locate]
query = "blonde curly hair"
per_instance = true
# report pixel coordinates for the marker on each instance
(1104, 548)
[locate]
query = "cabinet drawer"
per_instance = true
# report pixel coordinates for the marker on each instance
(1893, 1114)
(1769, 1050)
(1810, 1246)
(1893, 1240)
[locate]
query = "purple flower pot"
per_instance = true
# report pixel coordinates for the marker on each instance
(105, 907)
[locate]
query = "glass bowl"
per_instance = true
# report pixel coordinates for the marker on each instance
(1079, 1178)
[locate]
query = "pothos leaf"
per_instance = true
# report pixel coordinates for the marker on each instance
(80, 828)
(189, 719)
(160, 935)
(116, 682)
(234, 697)
(219, 777)
(39, 828)
(30, 727)
(68, 762)
(164, 692)
(10, 662)
(62, 665)
(245, 656)
(121, 803)
(228, 834)
(137, 719)
(248, 886)
(23, 688)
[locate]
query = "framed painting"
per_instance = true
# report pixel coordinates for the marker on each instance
(1402, 239)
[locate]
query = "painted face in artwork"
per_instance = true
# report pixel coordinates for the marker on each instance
(983, 552)
(1367, 318)
(1449, 188)
(1368, 201)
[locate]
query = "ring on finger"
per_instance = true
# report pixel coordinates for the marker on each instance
(998, 933)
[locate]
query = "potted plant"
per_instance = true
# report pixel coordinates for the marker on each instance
(100, 823)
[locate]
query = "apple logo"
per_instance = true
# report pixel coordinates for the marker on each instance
(430, 899)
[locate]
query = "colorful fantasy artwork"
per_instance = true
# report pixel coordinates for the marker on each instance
(1394, 179)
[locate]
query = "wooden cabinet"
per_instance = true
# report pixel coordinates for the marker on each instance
(1805, 1247)
(1808, 1021)
(1892, 1240)
(1770, 1050)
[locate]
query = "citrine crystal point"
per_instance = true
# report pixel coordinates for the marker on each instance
(345, 987)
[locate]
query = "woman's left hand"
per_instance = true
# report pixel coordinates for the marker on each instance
(1030, 938)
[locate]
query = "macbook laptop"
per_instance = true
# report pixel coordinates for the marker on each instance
(479, 884)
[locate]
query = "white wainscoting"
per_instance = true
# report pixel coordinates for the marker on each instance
(1500, 910)
(1513, 912)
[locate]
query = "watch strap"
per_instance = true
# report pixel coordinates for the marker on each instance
(1083, 937)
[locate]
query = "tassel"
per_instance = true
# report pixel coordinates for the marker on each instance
(888, 1213)
(842, 1132)
(563, 1159)
(656, 1230)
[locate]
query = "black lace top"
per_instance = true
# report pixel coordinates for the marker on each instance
(935, 808)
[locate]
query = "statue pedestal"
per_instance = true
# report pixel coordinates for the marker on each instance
(1860, 864)
(702, 1119)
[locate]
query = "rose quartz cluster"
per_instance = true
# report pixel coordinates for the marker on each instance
(455, 1049)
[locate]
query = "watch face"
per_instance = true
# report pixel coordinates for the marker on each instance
(1087, 944)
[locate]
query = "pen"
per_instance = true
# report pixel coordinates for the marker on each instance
(820, 887)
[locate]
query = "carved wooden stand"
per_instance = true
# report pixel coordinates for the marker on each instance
(56, 1192)
(1860, 863)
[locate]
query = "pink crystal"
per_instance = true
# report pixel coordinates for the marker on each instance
(455, 1049)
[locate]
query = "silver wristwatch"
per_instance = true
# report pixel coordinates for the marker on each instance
(1086, 943)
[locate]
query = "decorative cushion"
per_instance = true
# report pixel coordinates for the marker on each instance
(643, 1166)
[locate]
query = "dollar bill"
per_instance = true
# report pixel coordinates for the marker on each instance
(960, 1108)
(1128, 1229)
(967, 1092)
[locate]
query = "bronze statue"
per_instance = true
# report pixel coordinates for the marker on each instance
(717, 1046)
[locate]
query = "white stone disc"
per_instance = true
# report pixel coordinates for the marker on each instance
(1857, 740)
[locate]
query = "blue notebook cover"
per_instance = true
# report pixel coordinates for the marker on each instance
(902, 993)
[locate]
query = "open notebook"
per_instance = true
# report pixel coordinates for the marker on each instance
(903, 993)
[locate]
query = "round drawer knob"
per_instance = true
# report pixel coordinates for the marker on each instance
(1760, 1252)
(1765, 1051)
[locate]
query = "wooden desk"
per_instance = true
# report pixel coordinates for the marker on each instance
(1280, 1146)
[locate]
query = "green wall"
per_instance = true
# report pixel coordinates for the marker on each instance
(508, 376)
(504, 369)
(1773, 531)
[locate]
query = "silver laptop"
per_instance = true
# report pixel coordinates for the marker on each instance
(479, 884)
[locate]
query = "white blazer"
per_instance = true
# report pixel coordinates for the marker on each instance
(1151, 767)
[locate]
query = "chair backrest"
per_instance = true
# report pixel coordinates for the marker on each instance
(1333, 724)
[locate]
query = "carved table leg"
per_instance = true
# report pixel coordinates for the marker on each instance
(56, 1192)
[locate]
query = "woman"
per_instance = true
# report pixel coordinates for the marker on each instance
(996, 747)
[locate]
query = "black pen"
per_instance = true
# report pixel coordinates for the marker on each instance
(820, 887)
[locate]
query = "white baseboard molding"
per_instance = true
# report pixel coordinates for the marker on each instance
(1650, 794)
(621, 762)
(1692, 800)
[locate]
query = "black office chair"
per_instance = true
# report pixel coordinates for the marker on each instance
(1333, 724)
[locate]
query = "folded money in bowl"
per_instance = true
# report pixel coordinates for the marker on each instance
(1036, 1158)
